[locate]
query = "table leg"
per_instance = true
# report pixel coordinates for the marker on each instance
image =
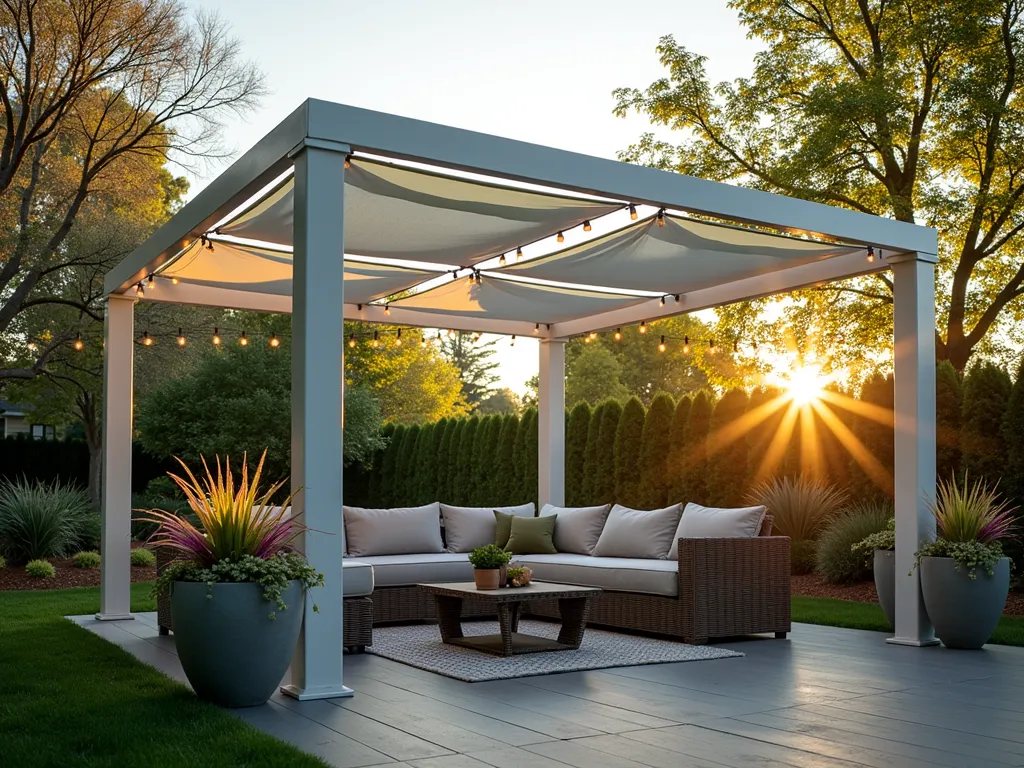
(505, 622)
(514, 613)
(573, 611)
(449, 616)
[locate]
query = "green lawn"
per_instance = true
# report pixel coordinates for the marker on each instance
(846, 613)
(68, 698)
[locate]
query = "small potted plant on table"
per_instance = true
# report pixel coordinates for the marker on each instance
(964, 576)
(237, 590)
(488, 562)
(880, 549)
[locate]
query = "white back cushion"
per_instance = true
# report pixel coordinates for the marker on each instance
(577, 529)
(641, 533)
(466, 528)
(398, 531)
(700, 522)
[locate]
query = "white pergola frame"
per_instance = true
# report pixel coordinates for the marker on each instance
(315, 140)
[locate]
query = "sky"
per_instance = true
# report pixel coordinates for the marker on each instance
(539, 71)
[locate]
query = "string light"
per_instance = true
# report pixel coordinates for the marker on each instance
(79, 344)
(871, 255)
(632, 212)
(423, 342)
(536, 327)
(661, 346)
(502, 260)
(513, 343)
(139, 290)
(451, 333)
(243, 340)
(181, 339)
(216, 338)
(618, 334)
(348, 162)
(398, 338)
(174, 281)
(686, 345)
(663, 301)
(643, 327)
(560, 238)
(587, 339)
(147, 340)
(274, 342)
(519, 253)
(593, 335)
(150, 282)
(661, 218)
(586, 225)
(387, 310)
(351, 341)
(376, 342)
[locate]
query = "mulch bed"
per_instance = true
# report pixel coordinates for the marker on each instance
(14, 577)
(812, 585)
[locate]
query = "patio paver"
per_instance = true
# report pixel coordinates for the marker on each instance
(827, 697)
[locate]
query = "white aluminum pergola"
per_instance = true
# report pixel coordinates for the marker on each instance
(334, 180)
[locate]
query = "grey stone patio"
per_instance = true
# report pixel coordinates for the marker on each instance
(826, 697)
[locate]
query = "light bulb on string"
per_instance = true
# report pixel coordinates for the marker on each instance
(351, 341)
(274, 341)
(139, 290)
(686, 345)
(513, 342)
(663, 301)
(79, 344)
(348, 162)
(587, 339)
(519, 253)
(871, 255)
(586, 225)
(423, 342)
(387, 310)
(216, 338)
(243, 340)
(398, 338)
(150, 282)
(376, 340)
(661, 218)
(560, 238)
(643, 326)
(174, 281)
(661, 346)
(632, 212)
(502, 260)
(147, 340)
(536, 327)
(182, 341)
(451, 333)
(618, 334)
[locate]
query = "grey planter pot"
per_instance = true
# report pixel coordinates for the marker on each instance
(963, 611)
(232, 652)
(884, 568)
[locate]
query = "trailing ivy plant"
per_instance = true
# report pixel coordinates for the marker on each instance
(885, 540)
(273, 574)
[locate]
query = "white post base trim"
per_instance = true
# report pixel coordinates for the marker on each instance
(293, 691)
(912, 641)
(114, 617)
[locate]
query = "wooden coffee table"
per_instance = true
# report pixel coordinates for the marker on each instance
(573, 605)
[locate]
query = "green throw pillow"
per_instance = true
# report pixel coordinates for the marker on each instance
(532, 536)
(502, 528)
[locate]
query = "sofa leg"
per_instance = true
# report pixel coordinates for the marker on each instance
(780, 635)
(164, 631)
(695, 640)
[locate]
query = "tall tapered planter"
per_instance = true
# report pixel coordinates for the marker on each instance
(232, 652)
(884, 568)
(964, 611)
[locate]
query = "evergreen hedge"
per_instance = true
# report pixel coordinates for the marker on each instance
(628, 446)
(727, 479)
(1013, 434)
(677, 451)
(434, 491)
(592, 456)
(528, 487)
(452, 466)
(876, 437)
(505, 478)
(463, 490)
(655, 451)
(949, 398)
(986, 400)
(695, 462)
(575, 451)
(603, 481)
(405, 469)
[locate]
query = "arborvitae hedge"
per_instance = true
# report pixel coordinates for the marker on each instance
(1013, 433)
(727, 451)
(676, 489)
(406, 467)
(949, 398)
(655, 452)
(376, 473)
(478, 460)
(441, 460)
(628, 445)
(575, 453)
(876, 437)
(464, 479)
(504, 466)
(766, 411)
(698, 423)
(592, 456)
(486, 464)
(454, 471)
(986, 398)
(423, 471)
(604, 479)
(528, 487)
(389, 468)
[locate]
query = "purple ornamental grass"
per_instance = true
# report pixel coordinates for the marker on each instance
(233, 523)
(971, 512)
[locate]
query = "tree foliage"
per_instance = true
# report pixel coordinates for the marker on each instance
(575, 452)
(473, 360)
(949, 397)
(505, 469)
(628, 445)
(1013, 434)
(593, 375)
(905, 109)
(987, 390)
(501, 401)
(603, 478)
(677, 453)
(727, 478)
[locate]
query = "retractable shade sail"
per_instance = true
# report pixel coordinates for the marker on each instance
(261, 270)
(403, 213)
(683, 255)
(502, 299)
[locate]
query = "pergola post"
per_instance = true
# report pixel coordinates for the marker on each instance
(914, 363)
(551, 423)
(116, 500)
(317, 397)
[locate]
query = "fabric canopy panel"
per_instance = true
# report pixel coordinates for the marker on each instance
(260, 270)
(683, 255)
(400, 213)
(500, 299)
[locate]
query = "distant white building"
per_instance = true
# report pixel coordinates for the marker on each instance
(14, 421)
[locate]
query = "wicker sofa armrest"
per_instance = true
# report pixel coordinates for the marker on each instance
(735, 586)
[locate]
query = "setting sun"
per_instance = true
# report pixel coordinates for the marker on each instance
(804, 384)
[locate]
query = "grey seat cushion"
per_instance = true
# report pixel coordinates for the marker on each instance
(577, 529)
(615, 574)
(405, 570)
(466, 528)
(357, 578)
(395, 531)
(644, 533)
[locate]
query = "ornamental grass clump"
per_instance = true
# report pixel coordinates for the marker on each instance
(971, 521)
(40, 520)
(240, 537)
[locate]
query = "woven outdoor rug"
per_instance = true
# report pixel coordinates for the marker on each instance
(420, 646)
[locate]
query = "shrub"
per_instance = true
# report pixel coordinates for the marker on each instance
(39, 520)
(488, 557)
(626, 451)
(3, 563)
(987, 390)
(838, 561)
(87, 560)
(800, 506)
(654, 454)
(143, 558)
(40, 569)
(727, 450)
(803, 556)
(693, 484)
(575, 451)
